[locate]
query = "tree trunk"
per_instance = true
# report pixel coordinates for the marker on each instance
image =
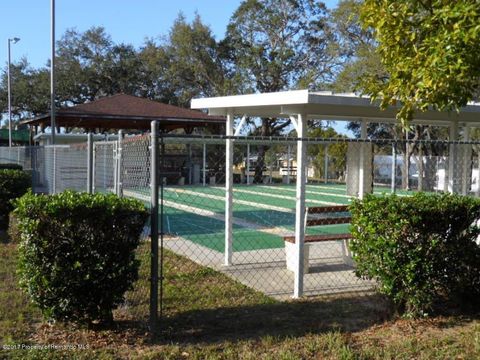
(262, 149)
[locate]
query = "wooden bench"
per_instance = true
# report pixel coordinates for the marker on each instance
(320, 216)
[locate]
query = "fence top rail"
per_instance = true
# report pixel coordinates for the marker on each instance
(56, 146)
(220, 139)
(105, 143)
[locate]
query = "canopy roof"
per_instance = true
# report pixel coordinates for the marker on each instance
(123, 111)
(326, 105)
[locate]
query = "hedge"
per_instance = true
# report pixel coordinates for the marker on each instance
(77, 252)
(10, 167)
(13, 184)
(422, 250)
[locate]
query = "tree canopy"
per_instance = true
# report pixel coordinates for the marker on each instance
(277, 45)
(30, 90)
(359, 48)
(429, 50)
(419, 54)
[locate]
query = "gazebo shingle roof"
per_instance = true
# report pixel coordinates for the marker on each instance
(123, 111)
(128, 105)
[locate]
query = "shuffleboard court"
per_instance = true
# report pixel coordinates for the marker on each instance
(262, 214)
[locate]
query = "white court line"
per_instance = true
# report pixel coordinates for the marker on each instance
(168, 224)
(378, 192)
(314, 193)
(387, 192)
(286, 197)
(323, 187)
(277, 230)
(236, 201)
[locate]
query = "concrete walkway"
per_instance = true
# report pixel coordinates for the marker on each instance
(266, 271)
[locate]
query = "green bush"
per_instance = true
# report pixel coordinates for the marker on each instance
(13, 184)
(10, 167)
(77, 252)
(422, 249)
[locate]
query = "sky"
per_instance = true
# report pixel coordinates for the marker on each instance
(127, 21)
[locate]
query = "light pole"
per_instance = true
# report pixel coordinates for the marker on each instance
(52, 73)
(14, 40)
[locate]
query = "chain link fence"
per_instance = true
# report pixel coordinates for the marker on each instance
(256, 245)
(259, 252)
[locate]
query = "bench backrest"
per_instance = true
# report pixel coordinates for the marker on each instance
(327, 215)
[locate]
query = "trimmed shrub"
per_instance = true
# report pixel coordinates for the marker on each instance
(422, 249)
(13, 184)
(10, 167)
(77, 252)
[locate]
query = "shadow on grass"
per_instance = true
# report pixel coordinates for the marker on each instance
(290, 319)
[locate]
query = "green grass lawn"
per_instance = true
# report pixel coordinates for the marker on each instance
(209, 316)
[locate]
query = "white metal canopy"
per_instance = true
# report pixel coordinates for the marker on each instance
(299, 106)
(325, 105)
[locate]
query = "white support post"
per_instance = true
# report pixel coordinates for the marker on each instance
(466, 159)
(394, 167)
(326, 164)
(105, 167)
(289, 154)
(361, 170)
(407, 162)
(90, 167)
(229, 191)
(204, 164)
(248, 164)
(115, 166)
(420, 167)
(300, 207)
(452, 157)
(294, 121)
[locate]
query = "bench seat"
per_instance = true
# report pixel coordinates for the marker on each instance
(320, 216)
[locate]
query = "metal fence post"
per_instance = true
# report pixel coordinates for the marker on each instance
(94, 167)
(90, 163)
(394, 167)
(54, 183)
(154, 227)
(161, 217)
(33, 165)
(229, 191)
(189, 147)
(204, 181)
(119, 190)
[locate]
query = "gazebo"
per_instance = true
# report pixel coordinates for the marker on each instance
(300, 106)
(123, 111)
